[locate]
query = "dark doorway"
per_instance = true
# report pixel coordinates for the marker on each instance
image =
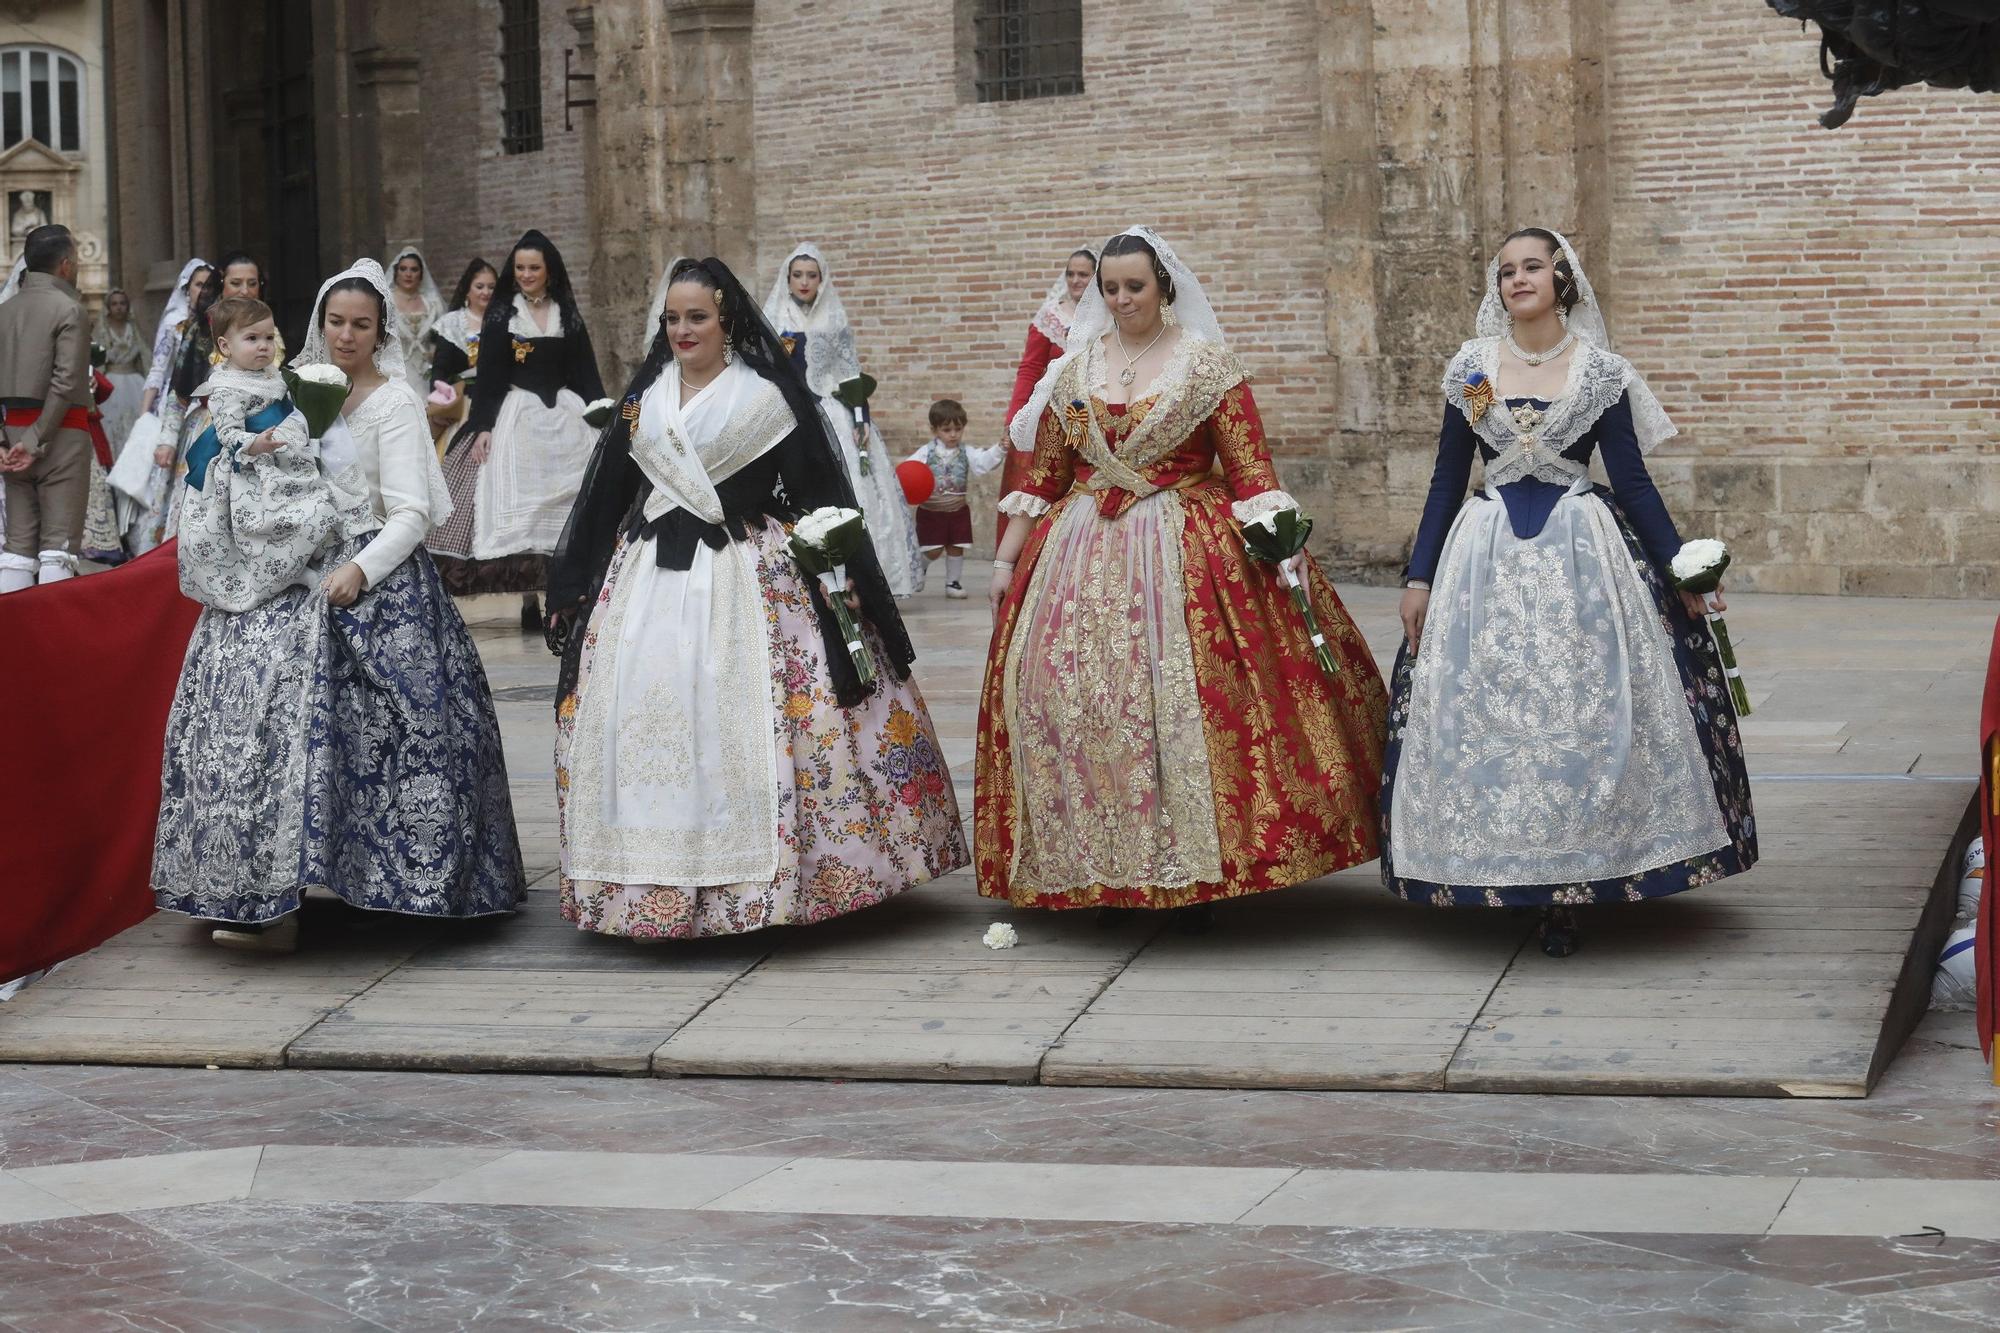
(292, 199)
(265, 143)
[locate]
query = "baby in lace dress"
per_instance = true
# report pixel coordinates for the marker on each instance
(262, 513)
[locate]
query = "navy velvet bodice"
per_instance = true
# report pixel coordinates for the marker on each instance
(1530, 500)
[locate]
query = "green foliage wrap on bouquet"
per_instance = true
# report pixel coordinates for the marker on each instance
(1698, 568)
(1275, 538)
(854, 395)
(319, 392)
(822, 544)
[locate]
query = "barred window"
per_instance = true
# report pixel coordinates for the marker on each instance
(1027, 48)
(520, 76)
(41, 97)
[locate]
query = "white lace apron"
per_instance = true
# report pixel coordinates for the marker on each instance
(528, 483)
(673, 771)
(1548, 740)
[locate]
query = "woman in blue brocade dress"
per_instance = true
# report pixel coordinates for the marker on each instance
(342, 736)
(1560, 731)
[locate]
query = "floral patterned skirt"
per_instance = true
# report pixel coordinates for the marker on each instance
(1578, 742)
(354, 750)
(1155, 729)
(865, 808)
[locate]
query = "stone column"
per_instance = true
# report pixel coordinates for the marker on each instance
(672, 154)
(390, 87)
(711, 145)
(1446, 126)
(629, 213)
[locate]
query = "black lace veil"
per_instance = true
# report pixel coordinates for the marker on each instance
(613, 486)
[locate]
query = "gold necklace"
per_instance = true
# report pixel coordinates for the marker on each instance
(1131, 371)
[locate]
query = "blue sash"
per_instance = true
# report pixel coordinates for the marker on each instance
(207, 447)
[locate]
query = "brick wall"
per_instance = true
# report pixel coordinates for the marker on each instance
(945, 220)
(477, 200)
(1816, 309)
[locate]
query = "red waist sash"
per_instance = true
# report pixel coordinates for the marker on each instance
(77, 418)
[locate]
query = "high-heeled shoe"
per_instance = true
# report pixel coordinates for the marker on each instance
(1557, 932)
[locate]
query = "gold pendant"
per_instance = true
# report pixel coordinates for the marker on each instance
(1127, 375)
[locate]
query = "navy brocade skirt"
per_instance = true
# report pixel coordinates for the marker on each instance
(354, 750)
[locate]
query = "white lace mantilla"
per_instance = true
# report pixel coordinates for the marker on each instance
(1534, 442)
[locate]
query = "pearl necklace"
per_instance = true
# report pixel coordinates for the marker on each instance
(1537, 358)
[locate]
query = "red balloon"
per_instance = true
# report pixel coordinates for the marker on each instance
(918, 483)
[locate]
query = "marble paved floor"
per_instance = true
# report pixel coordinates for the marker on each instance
(178, 1199)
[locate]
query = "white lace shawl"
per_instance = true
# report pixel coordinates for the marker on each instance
(1597, 379)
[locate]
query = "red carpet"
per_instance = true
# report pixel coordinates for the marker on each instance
(87, 673)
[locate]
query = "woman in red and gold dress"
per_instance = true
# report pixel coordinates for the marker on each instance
(1046, 336)
(1155, 730)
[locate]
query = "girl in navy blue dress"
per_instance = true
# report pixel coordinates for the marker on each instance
(1560, 732)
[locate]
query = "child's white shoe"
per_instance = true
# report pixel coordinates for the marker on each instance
(280, 936)
(955, 592)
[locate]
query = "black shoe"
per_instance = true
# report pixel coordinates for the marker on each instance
(1557, 932)
(531, 617)
(1196, 920)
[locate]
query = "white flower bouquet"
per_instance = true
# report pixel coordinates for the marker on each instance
(1698, 569)
(597, 412)
(1275, 538)
(823, 542)
(319, 391)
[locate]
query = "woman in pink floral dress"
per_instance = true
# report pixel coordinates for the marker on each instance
(721, 766)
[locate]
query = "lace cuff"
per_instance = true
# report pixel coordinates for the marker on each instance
(1269, 502)
(1020, 504)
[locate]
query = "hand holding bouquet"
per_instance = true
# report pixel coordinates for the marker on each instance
(1698, 569)
(319, 392)
(854, 395)
(1274, 538)
(823, 542)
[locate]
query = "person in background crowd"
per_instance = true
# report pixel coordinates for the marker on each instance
(808, 314)
(45, 392)
(418, 309)
(537, 374)
(124, 350)
(1047, 336)
(944, 522)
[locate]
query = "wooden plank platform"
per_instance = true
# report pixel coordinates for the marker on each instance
(1797, 979)
(527, 994)
(909, 990)
(1329, 985)
(161, 994)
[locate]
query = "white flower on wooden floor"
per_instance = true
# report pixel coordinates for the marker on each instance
(1000, 935)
